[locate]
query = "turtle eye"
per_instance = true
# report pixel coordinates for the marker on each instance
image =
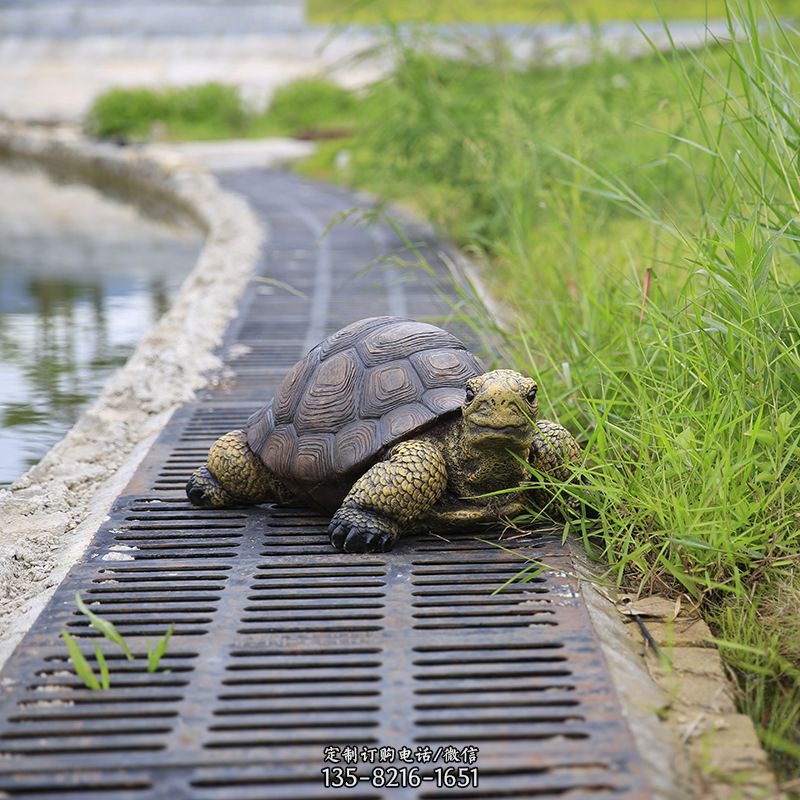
(470, 395)
(531, 396)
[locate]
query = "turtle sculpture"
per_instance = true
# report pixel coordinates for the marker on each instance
(393, 426)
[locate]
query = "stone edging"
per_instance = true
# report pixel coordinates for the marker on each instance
(50, 514)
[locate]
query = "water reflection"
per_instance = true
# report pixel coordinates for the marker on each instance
(81, 278)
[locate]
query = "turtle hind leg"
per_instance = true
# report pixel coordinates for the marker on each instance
(205, 491)
(390, 494)
(234, 476)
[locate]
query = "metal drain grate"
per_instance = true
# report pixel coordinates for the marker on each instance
(283, 648)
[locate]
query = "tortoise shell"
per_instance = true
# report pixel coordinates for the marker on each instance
(353, 396)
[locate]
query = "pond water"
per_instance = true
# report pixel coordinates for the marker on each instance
(82, 277)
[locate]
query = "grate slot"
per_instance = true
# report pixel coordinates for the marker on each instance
(317, 738)
(346, 601)
(186, 523)
(332, 626)
(113, 696)
(153, 554)
(76, 787)
(300, 704)
(51, 715)
(111, 590)
(499, 700)
(98, 727)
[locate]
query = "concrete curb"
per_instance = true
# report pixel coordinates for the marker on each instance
(51, 512)
(681, 709)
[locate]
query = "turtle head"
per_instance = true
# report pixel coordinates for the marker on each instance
(500, 407)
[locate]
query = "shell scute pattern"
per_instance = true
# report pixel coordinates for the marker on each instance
(397, 340)
(387, 387)
(349, 336)
(355, 444)
(328, 401)
(356, 394)
(408, 417)
(443, 400)
(279, 449)
(291, 390)
(314, 457)
(437, 368)
(260, 426)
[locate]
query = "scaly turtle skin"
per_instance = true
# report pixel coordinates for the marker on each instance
(393, 426)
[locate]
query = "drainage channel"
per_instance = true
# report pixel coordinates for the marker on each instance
(289, 660)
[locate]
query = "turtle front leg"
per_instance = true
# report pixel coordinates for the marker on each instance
(553, 453)
(387, 496)
(234, 476)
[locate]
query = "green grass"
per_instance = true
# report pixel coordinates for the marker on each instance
(642, 221)
(216, 111)
(83, 669)
(525, 11)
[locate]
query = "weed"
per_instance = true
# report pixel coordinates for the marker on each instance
(104, 626)
(155, 654)
(82, 668)
(79, 661)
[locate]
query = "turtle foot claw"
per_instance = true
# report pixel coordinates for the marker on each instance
(357, 531)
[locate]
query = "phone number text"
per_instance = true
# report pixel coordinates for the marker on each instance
(400, 777)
